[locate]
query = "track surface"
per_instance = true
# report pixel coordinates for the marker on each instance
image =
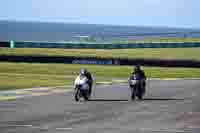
(168, 107)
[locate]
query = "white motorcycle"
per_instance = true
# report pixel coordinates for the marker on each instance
(81, 88)
(137, 88)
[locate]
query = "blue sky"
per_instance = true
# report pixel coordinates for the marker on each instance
(171, 13)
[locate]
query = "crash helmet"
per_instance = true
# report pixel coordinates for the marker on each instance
(83, 71)
(137, 68)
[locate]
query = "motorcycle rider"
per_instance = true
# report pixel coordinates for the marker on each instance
(140, 72)
(86, 73)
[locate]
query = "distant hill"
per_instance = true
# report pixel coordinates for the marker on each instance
(56, 32)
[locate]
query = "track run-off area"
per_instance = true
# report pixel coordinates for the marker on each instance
(169, 106)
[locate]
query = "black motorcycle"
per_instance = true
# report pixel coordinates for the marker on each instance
(136, 86)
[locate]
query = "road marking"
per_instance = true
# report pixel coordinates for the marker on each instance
(12, 125)
(8, 98)
(20, 93)
(102, 83)
(64, 129)
(35, 127)
(170, 79)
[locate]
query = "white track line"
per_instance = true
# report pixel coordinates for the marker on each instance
(66, 129)
(35, 127)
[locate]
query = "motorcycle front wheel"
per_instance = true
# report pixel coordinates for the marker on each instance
(77, 95)
(86, 96)
(141, 92)
(140, 96)
(132, 93)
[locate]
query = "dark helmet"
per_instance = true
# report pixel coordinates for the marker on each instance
(137, 68)
(83, 71)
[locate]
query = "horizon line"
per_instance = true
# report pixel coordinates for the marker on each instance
(115, 25)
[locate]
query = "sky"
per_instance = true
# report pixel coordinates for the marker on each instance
(157, 13)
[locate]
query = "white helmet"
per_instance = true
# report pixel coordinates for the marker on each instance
(83, 71)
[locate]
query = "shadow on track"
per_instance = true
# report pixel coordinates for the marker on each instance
(163, 99)
(108, 100)
(145, 99)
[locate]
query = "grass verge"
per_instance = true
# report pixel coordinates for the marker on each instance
(166, 40)
(147, 53)
(27, 75)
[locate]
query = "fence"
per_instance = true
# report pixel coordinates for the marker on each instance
(99, 46)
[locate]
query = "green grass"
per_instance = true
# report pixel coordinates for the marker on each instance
(157, 53)
(165, 40)
(16, 81)
(146, 40)
(25, 75)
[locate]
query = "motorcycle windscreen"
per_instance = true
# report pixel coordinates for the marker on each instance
(84, 87)
(82, 81)
(133, 82)
(137, 77)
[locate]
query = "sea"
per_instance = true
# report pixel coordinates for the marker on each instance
(62, 32)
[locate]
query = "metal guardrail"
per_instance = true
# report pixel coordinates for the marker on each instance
(102, 61)
(99, 46)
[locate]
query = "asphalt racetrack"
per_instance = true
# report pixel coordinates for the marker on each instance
(168, 107)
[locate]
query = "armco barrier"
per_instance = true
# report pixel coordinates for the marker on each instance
(54, 59)
(100, 46)
(4, 44)
(101, 61)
